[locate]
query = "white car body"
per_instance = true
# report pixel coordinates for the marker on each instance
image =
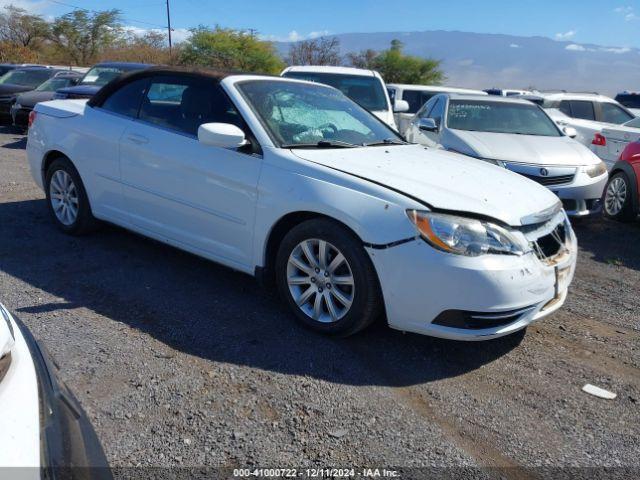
(42, 426)
(558, 106)
(385, 114)
(224, 205)
(416, 96)
(616, 139)
(507, 92)
(557, 162)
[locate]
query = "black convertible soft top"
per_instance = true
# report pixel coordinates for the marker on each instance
(215, 75)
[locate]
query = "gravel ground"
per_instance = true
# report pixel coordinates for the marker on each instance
(181, 362)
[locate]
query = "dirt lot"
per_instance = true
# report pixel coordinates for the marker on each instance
(179, 361)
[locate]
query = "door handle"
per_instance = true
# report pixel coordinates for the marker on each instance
(137, 139)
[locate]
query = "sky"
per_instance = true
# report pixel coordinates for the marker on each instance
(601, 22)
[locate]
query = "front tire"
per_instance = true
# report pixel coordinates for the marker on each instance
(324, 274)
(618, 203)
(67, 199)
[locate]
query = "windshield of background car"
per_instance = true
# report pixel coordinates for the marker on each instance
(100, 76)
(635, 123)
(26, 78)
(498, 117)
(629, 100)
(54, 84)
(367, 92)
(301, 114)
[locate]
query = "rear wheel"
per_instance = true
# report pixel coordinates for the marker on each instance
(326, 277)
(618, 201)
(67, 198)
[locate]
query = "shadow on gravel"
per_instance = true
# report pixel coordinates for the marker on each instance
(210, 311)
(19, 140)
(610, 242)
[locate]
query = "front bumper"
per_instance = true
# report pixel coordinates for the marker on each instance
(420, 283)
(20, 116)
(582, 197)
(63, 443)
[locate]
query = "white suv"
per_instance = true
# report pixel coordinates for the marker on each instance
(416, 96)
(365, 87)
(588, 113)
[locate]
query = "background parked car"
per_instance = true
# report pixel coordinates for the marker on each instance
(20, 80)
(631, 100)
(26, 101)
(96, 78)
(42, 425)
(416, 96)
(516, 135)
(365, 87)
(588, 113)
(611, 141)
(622, 195)
(506, 92)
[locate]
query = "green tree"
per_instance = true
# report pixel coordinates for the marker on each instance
(229, 49)
(82, 35)
(317, 51)
(396, 67)
(362, 59)
(20, 28)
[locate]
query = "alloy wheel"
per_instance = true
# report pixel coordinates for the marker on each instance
(320, 280)
(616, 196)
(64, 197)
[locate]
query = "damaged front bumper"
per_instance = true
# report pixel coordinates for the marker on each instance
(434, 293)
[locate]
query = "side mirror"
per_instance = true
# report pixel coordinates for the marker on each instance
(570, 132)
(427, 125)
(400, 106)
(224, 135)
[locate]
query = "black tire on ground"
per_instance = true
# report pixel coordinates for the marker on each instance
(85, 221)
(367, 303)
(626, 213)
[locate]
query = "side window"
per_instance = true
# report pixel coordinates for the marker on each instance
(126, 100)
(582, 109)
(565, 108)
(437, 113)
(184, 103)
(413, 99)
(392, 94)
(611, 113)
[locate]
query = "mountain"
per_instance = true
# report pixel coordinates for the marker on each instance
(479, 60)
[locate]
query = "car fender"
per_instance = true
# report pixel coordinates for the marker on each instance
(375, 214)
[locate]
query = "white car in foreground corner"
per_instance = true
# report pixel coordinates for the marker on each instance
(518, 136)
(44, 433)
(293, 181)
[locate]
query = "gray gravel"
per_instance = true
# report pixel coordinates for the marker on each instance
(179, 361)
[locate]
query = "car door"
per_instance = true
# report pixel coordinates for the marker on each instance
(199, 197)
(98, 149)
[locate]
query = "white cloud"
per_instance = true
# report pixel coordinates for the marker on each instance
(322, 33)
(514, 45)
(627, 12)
(617, 50)
(32, 6)
(575, 48)
(626, 9)
(566, 35)
(631, 16)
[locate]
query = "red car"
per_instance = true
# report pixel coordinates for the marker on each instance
(622, 194)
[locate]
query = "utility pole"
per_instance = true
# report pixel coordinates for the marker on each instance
(169, 27)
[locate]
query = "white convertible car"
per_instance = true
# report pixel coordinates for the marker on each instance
(518, 136)
(292, 181)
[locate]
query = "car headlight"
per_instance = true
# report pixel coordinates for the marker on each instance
(596, 170)
(464, 236)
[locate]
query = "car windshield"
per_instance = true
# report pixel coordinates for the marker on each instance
(367, 92)
(100, 76)
(500, 117)
(26, 78)
(635, 123)
(629, 100)
(301, 115)
(54, 84)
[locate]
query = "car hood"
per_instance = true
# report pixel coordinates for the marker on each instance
(533, 149)
(6, 338)
(81, 90)
(9, 88)
(29, 99)
(443, 180)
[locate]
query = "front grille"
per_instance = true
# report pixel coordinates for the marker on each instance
(480, 320)
(551, 181)
(550, 245)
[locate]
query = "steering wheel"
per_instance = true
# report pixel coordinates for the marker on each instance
(330, 126)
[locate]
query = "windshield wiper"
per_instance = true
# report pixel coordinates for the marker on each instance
(322, 144)
(386, 141)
